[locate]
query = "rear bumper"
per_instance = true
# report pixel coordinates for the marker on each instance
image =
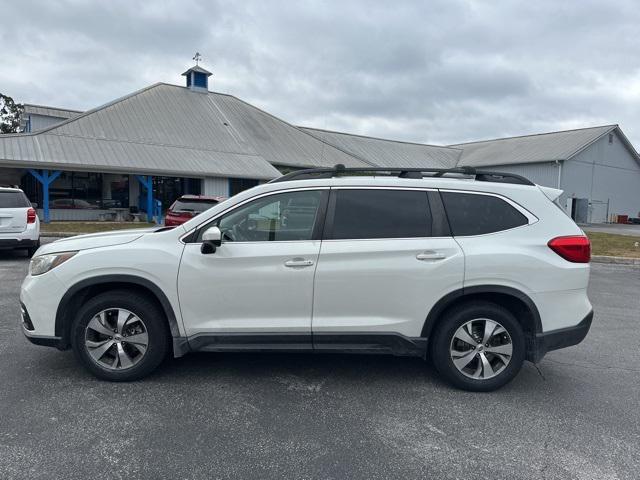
(17, 243)
(562, 338)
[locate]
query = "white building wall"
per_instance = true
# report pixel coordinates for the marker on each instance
(215, 186)
(40, 122)
(604, 172)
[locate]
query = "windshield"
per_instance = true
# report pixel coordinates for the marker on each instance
(198, 206)
(13, 200)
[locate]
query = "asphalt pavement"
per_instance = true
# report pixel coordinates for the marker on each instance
(245, 416)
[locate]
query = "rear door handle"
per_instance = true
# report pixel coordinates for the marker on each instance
(431, 256)
(298, 262)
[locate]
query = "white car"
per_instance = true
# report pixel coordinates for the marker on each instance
(477, 271)
(19, 223)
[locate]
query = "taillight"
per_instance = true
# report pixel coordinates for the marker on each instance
(576, 249)
(31, 215)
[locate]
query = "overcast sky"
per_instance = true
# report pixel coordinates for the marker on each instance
(440, 71)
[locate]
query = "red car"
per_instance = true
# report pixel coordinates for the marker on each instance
(187, 207)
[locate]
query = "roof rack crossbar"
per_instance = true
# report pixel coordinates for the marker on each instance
(340, 170)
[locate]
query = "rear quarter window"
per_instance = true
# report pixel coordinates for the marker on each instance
(13, 200)
(477, 214)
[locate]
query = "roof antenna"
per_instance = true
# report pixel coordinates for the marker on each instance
(197, 57)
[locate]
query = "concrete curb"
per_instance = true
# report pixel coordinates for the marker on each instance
(59, 234)
(615, 260)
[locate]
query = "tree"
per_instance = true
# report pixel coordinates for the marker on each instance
(10, 113)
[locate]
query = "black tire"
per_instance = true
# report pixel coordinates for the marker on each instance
(32, 250)
(444, 333)
(141, 306)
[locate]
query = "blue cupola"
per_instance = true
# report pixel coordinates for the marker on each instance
(197, 78)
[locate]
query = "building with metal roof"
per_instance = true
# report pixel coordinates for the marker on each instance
(393, 153)
(147, 148)
(181, 139)
(597, 168)
(39, 117)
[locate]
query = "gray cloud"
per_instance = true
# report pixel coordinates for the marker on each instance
(441, 71)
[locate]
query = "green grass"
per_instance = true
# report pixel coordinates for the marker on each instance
(90, 227)
(614, 245)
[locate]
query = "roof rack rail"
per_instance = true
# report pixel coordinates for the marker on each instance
(340, 170)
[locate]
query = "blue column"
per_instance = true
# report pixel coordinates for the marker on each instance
(45, 178)
(147, 183)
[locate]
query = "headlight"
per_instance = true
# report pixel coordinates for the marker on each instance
(43, 263)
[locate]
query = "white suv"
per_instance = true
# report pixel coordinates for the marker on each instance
(19, 223)
(478, 271)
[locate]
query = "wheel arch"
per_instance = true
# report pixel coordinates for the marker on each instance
(516, 301)
(76, 295)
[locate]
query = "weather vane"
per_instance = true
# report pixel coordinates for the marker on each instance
(197, 57)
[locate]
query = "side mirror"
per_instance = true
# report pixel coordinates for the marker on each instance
(211, 239)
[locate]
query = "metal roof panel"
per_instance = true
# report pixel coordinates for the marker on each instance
(542, 147)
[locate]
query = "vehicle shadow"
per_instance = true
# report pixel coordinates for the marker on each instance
(306, 373)
(7, 254)
(342, 369)
(255, 364)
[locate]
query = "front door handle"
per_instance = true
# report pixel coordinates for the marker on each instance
(431, 256)
(298, 262)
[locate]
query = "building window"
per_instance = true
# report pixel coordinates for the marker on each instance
(76, 190)
(199, 80)
(237, 185)
(165, 189)
(81, 190)
(611, 138)
(118, 194)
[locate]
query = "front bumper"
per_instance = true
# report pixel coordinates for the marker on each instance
(562, 338)
(40, 297)
(44, 341)
(29, 331)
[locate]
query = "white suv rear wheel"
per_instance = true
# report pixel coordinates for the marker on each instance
(479, 346)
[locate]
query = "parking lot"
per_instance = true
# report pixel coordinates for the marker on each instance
(322, 416)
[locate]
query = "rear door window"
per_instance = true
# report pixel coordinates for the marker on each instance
(378, 213)
(13, 200)
(477, 214)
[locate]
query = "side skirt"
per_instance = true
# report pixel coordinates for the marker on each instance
(370, 342)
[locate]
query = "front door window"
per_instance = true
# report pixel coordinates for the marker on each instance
(282, 217)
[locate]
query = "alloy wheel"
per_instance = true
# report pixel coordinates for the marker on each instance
(481, 348)
(116, 339)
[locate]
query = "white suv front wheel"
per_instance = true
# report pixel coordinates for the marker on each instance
(478, 346)
(120, 336)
